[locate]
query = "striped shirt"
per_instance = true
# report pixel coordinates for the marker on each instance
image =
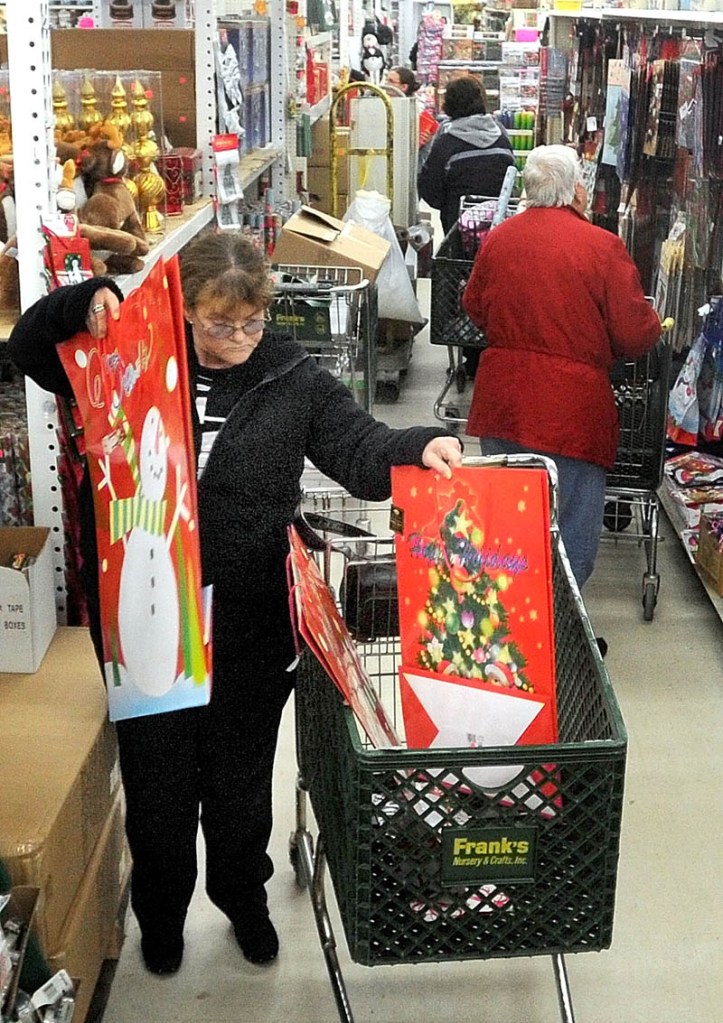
(217, 390)
(210, 425)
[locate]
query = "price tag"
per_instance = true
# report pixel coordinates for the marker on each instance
(591, 124)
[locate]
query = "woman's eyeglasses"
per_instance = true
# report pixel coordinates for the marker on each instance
(224, 331)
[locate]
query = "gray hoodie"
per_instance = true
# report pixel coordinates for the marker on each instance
(479, 130)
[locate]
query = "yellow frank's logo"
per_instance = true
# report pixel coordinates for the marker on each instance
(497, 847)
(489, 854)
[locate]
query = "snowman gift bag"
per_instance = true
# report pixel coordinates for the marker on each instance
(131, 388)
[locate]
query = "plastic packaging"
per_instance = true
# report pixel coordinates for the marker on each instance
(396, 298)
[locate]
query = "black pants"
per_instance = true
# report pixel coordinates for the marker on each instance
(216, 759)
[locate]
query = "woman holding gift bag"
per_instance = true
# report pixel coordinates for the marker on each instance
(260, 404)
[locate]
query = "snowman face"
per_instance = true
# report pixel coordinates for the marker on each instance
(153, 461)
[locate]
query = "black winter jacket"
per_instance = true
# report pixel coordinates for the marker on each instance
(456, 167)
(286, 408)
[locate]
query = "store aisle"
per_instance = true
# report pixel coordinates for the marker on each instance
(665, 962)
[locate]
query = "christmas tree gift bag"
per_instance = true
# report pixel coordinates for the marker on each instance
(475, 610)
(132, 393)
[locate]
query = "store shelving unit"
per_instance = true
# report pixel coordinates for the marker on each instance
(560, 21)
(29, 59)
(642, 14)
(678, 523)
(662, 18)
(321, 42)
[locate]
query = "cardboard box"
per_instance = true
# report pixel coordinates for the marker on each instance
(27, 599)
(322, 201)
(318, 185)
(320, 155)
(318, 179)
(58, 775)
(120, 14)
(97, 912)
(313, 238)
(112, 50)
(709, 555)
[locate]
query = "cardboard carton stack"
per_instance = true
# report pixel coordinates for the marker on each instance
(61, 815)
(318, 172)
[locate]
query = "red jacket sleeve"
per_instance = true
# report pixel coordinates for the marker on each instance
(632, 322)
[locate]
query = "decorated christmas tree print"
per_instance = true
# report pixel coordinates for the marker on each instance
(464, 624)
(475, 606)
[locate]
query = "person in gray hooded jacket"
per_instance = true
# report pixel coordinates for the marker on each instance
(470, 153)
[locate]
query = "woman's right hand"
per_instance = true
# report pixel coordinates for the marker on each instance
(104, 306)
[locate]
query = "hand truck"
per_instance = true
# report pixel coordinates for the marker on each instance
(382, 813)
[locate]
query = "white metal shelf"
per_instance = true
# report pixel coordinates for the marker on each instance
(254, 164)
(318, 110)
(30, 75)
(30, 90)
(317, 41)
(178, 233)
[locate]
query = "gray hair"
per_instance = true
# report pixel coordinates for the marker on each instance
(550, 176)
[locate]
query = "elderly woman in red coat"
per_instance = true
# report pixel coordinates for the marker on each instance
(558, 300)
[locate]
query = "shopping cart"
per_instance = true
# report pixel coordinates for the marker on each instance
(449, 323)
(384, 814)
(641, 388)
(331, 311)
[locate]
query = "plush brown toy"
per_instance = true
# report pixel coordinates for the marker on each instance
(9, 276)
(112, 249)
(110, 204)
(9, 279)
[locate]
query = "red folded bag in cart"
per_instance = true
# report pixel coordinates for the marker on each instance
(328, 638)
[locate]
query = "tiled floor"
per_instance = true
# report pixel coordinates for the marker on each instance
(666, 960)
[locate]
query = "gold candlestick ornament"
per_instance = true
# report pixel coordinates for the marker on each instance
(89, 114)
(150, 185)
(63, 119)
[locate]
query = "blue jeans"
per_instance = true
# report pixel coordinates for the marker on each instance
(580, 503)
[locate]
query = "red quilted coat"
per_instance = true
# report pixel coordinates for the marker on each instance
(559, 300)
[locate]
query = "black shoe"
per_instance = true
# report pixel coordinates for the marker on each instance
(162, 956)
(601, 645)
(257, 939)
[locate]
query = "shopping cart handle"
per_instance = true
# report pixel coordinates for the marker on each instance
(303, 287)
(310, 524)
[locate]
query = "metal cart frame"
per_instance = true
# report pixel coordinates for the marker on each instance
(449, 323)
(641, 387)
(381, 813)
(345, 300)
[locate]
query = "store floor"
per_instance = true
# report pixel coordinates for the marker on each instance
(664, 965)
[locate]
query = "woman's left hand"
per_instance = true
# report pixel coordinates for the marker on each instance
(442, 454)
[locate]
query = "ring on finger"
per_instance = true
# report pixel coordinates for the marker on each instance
(97, 308)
